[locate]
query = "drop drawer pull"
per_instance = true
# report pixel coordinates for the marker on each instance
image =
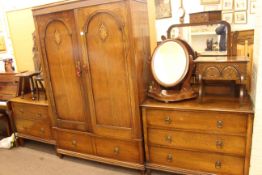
(169, 138)
(169, 157)
(42, 130)
(218, 164)
(220, 124)
(116, 150)
(74, 142)
(168, 120)
(219, 144)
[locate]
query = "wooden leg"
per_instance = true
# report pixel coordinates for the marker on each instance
(20, 141)
(148, 172)
(23, 87)
(61, 156)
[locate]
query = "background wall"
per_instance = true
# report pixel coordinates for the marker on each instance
(256, 155)
(193, 6)
(19, 26)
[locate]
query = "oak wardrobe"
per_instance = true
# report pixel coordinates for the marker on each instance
(94, 55)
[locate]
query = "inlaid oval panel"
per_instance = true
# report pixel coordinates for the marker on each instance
(108, 60)
(62, 69)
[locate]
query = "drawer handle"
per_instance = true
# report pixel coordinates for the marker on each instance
(219, 144)
(74, 142)
(39, 115)
(218, 164)
(116, 150)
(169, 157)
(42, 130)
(168, 120)
(169, 138)
(220, 124)
(21, 111)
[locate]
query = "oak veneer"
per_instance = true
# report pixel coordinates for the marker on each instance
(94, 55)
(212, 137)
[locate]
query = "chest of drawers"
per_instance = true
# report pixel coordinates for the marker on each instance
(212, 137)
(32, 119)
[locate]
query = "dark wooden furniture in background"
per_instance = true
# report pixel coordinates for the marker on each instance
(212, 137)
(94, 55)
(9, 88)
(208, 16)
(222, 68)
(243, 46)
(32, 119)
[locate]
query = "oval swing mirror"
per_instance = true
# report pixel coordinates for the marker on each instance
(170, 63)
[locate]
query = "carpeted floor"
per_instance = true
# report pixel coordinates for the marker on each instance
(40, 159)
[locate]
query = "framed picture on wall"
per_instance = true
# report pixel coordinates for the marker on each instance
(2, 44)
(163, 9)
(240, 5)
(228, 17)
(240, 17)
(227, 4)
(252, 7)
(208, 2)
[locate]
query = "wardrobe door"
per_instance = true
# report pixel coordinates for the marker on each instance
(59, 49)
(107, 52)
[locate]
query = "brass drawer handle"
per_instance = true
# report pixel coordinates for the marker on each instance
(39, 115)
(169, 138)
(169, 157)
(116, 150)
(74, 142)
(219, 144)
(220, 124)
(42, 130)
(21, 111)
(218, 164)
(168, 120)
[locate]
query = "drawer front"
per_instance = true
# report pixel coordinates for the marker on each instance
(213, 163)
(74, 141)
(26, 111)
(190, 140)
(120, 150)
(35, 128)
(197, 120)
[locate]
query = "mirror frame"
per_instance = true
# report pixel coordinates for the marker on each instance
(229, 44)
(178, 41)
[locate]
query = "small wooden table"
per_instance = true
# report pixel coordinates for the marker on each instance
(222, 68)
(28, 75)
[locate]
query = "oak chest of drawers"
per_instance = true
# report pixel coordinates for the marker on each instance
(212, 137)
(32, 119)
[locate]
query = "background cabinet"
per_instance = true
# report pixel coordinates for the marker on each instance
(95, 60)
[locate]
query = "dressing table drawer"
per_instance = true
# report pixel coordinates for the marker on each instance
(220, 122)
(198, 161)
(120, 150)
(34, 128)
(198, 141)
(26, 111)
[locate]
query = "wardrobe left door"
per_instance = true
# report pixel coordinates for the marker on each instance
(62, 66)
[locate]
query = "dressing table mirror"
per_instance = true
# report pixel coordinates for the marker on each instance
(172, 66)
(206, 38)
